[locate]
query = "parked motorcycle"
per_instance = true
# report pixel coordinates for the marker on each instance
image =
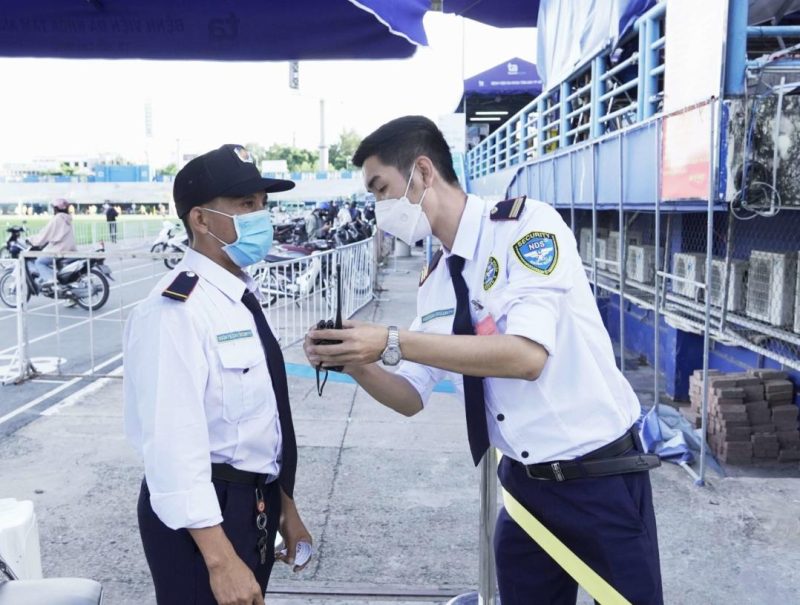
(298, 279)
(179, 244)
(14, 243)
(86, 286)
(168, 231)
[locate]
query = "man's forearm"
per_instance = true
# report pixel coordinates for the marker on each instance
(214, 545)
(499, 356)
(389, 389)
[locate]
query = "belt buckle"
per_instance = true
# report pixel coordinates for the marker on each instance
(531, 476)
(556, 467)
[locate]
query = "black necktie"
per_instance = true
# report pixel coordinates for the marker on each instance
(277, 371)
(475, 404)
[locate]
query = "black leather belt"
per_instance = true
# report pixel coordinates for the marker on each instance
(225, 472)
(602, 462)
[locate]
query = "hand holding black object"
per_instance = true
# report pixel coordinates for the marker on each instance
(328, 324)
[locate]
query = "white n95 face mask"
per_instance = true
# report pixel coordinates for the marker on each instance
(401, 218)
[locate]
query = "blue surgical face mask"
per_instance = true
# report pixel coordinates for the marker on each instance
(253, 237)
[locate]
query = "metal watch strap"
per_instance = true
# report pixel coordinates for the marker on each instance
(393, 339)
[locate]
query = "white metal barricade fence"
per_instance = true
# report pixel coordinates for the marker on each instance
(57, 335)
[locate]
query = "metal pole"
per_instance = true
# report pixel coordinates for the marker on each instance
(595, 150)
(621, 261)
(24, 364)
(656, 256)
(712, 194)
(488, 579)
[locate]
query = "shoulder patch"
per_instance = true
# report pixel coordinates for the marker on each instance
(508, 210)
(182, 286)
(491, 273)
(427, 270)
(538, 251)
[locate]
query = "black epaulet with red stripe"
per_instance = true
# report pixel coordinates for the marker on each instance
(428, 269)
(181, 287)
(508, 210)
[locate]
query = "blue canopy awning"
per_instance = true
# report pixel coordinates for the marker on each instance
(510, 77)
(224, 30)
(498, 13)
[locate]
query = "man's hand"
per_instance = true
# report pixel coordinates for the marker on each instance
(233, 583)
(362, 344)
(293, 531)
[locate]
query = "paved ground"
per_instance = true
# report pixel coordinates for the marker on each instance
(392, 502)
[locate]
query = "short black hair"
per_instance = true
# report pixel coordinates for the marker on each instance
(399, 142)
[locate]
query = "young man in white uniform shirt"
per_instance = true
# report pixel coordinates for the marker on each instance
(539, 375)
(206, 403)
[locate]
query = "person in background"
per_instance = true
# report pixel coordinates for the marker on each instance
(343, 216)
(57, 236)
(111, 218)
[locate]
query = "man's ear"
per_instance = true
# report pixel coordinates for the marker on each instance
(426, 169)
(197, 221)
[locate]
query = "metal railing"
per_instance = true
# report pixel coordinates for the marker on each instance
(615, 89)
(53, 337)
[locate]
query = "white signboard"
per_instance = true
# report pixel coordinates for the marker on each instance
(693, 54)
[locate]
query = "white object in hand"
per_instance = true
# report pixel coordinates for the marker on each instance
(302, 553)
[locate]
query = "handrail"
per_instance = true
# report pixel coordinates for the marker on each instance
(559, 116)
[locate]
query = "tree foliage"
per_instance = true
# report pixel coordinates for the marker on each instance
(297, 160)
(340, 154)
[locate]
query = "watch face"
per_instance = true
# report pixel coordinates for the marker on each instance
(391, 357)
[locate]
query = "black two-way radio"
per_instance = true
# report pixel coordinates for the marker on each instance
(330, 324)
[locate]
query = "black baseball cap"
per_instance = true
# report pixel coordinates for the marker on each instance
(229, 171)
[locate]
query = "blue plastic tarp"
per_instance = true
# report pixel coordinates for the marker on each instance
(672, 437)
(498, 13)
(225, 30)
(571, 33)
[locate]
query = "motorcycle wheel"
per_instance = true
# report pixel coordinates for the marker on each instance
(8, 288)
(95, 300)
(171, 263)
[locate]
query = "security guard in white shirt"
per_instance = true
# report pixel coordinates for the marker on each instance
(206, 399)
(510, 310)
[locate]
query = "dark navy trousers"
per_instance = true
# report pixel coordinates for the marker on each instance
(608, 522)
(179, 572)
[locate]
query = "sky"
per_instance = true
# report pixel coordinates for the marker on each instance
(58, 107)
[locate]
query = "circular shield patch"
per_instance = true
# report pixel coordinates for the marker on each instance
(491, 273)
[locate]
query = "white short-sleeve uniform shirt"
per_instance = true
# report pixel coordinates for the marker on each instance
(526, 274)
(198, 390)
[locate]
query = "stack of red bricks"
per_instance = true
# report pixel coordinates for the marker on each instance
(751, 415)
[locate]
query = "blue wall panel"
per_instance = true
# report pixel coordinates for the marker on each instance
(640, 165)
(608, 172)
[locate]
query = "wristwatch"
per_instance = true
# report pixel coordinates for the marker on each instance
(391, 355)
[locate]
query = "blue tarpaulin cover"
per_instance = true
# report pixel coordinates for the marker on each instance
(498, 13)
(672, 437)
(225, 30)
(571, 33)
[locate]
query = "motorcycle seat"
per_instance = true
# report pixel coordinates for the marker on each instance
(274, 258)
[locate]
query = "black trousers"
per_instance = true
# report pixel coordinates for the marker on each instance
(606, 521)
(179, 572)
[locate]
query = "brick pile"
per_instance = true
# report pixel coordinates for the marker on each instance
(752, 416)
